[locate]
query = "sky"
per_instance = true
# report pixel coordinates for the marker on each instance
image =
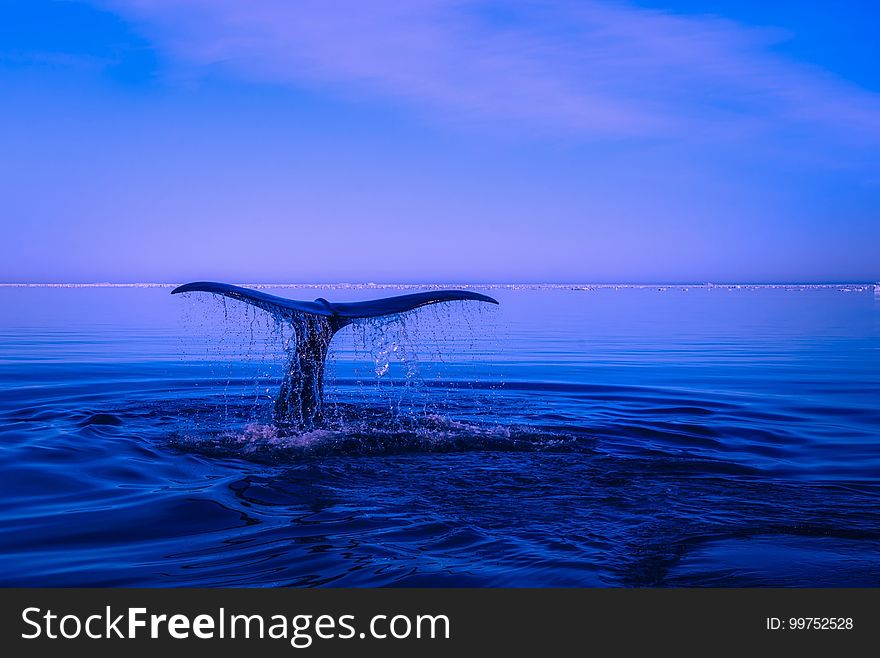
(452, 141)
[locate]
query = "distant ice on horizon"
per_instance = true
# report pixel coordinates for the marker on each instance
(661, 287)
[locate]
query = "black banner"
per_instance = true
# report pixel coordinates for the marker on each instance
(434, 621)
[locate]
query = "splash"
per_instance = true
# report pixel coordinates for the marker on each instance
(382, 328)
(377, 434)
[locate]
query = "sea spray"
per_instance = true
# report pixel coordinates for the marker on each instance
(387, 360)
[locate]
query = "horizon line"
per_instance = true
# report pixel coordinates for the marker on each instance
(497, 284)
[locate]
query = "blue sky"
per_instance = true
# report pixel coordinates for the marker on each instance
(439, 140)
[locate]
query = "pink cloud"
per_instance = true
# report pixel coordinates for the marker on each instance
(601, 69)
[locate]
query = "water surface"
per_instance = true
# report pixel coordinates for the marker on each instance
(572, 436)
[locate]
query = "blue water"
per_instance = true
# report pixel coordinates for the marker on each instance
(568, 437)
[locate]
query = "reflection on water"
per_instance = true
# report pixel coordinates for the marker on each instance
(571, 436)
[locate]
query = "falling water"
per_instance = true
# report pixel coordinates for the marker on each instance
(385, 380)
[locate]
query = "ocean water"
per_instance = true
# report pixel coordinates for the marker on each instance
(571, 436)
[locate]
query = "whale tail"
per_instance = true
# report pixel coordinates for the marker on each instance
(299, 404)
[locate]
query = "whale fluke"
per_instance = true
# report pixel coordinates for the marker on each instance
(299, 402)
(342, 310)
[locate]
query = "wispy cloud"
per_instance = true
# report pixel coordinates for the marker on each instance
(585, 67)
